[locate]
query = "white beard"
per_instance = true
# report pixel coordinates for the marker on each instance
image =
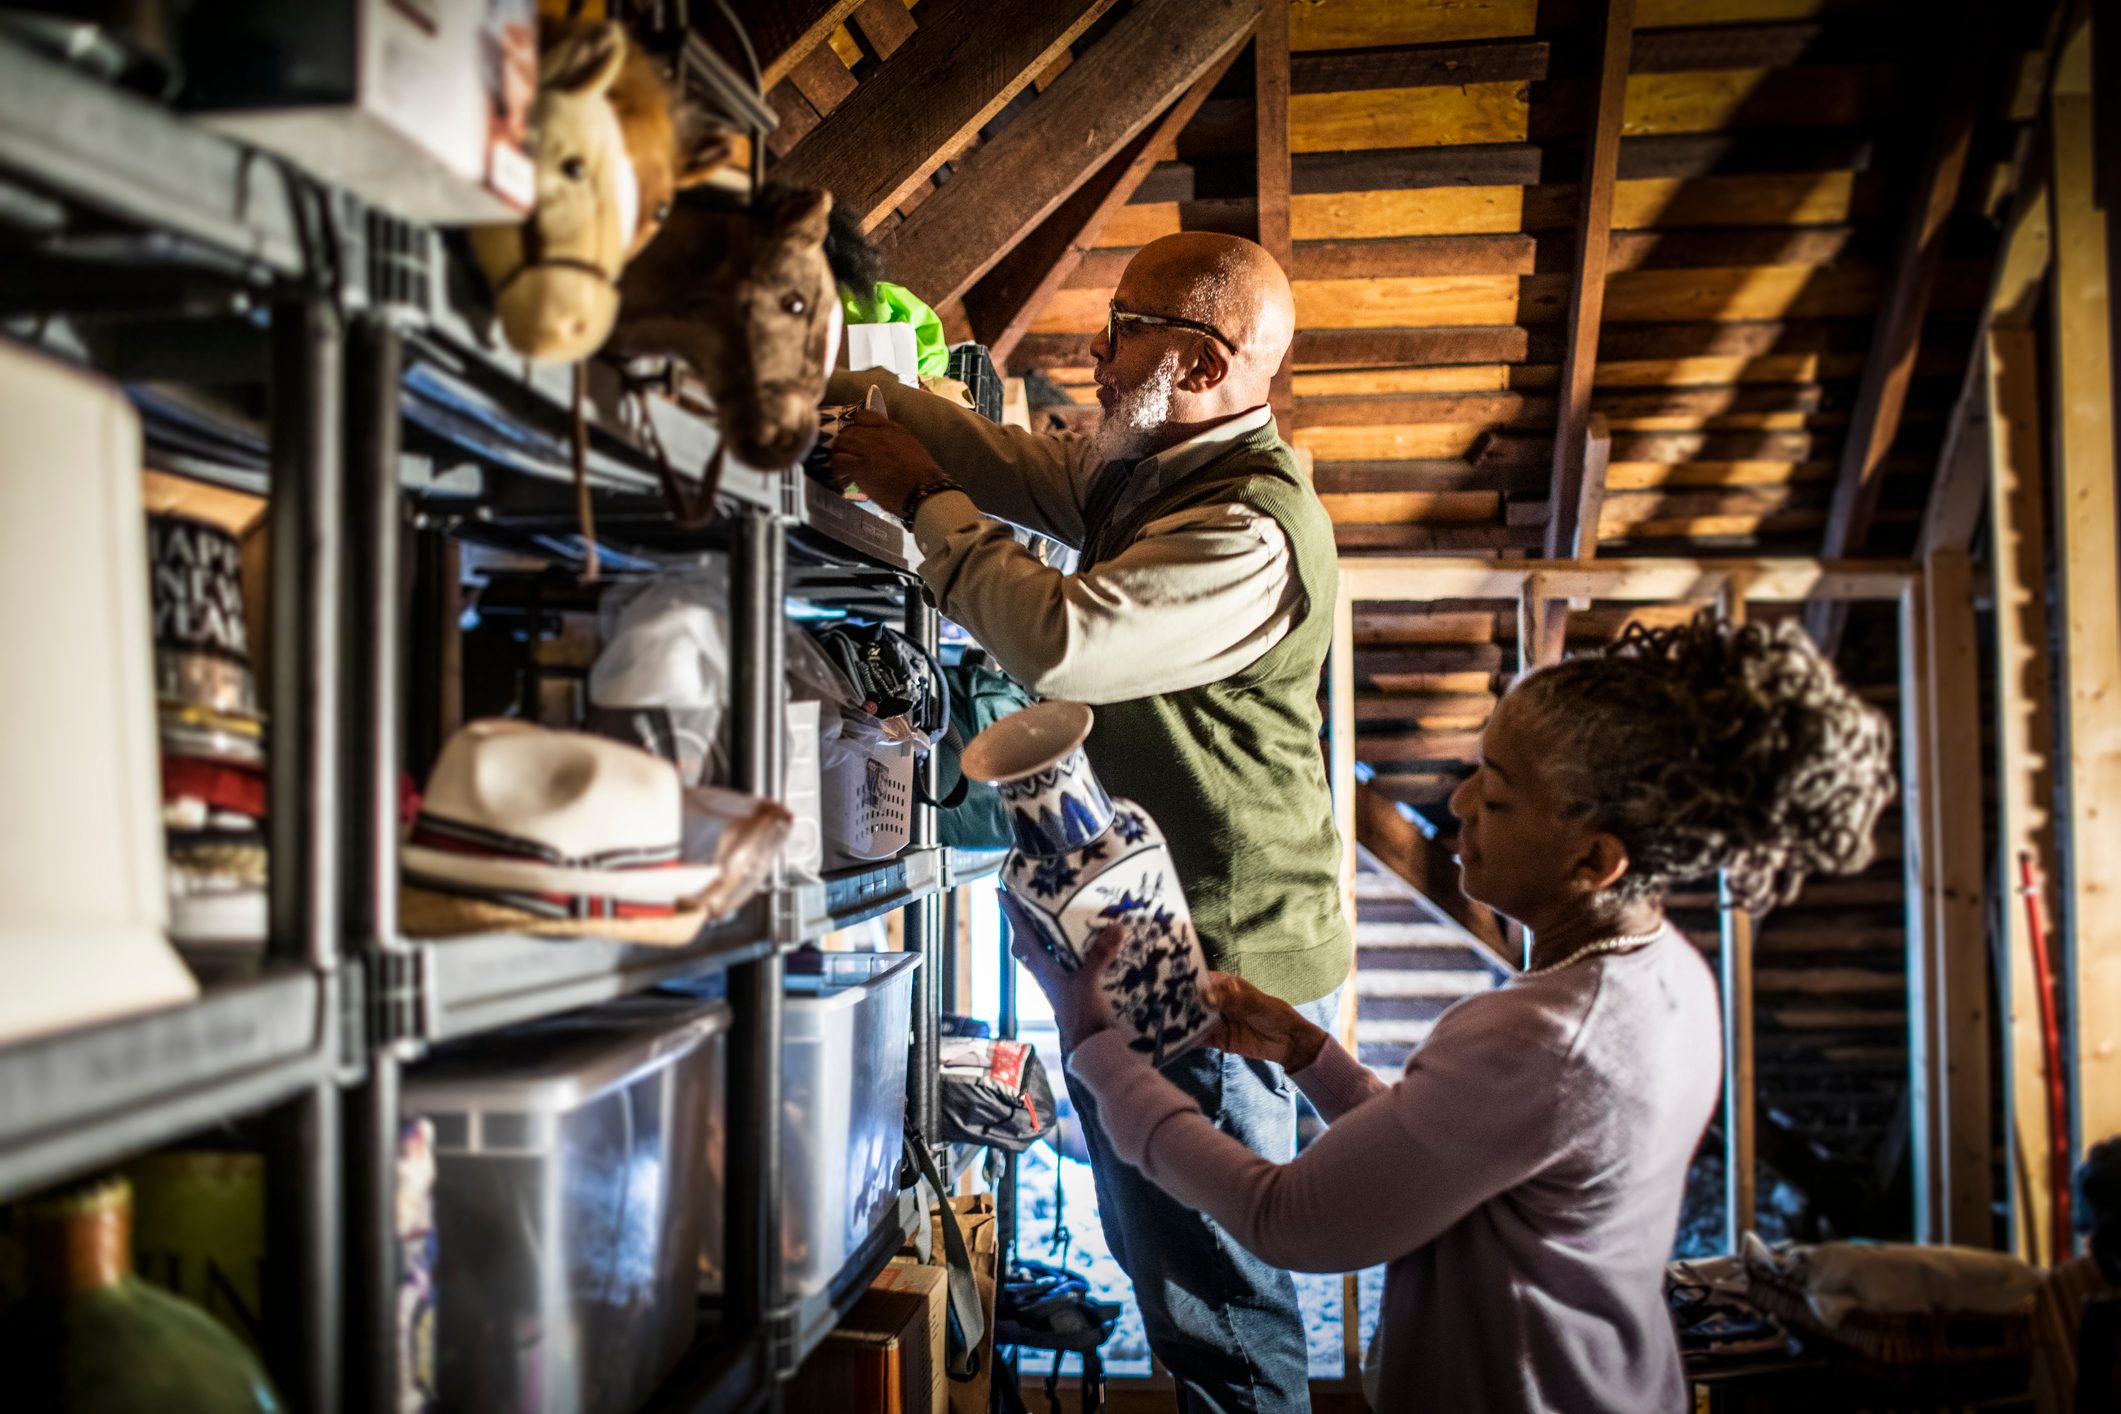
(1126, 429)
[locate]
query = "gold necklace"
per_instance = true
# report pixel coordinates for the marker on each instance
(1623, 943)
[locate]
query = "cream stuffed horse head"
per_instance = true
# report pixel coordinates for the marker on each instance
(555, 276)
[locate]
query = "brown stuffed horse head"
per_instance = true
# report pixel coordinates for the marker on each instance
(555, 276)
(744, 296)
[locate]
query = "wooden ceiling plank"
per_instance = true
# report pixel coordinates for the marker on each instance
(1008, 298)
(886, 24)
(1424, 707)
(784, 32)
(1434, 539)
(1567, 536)
(1512, 344)
(1396, 747)
(1523, 410)
(1678, 156)
(797, 118)
(822, 77)
(1529, 60)
(1386, 477)
(1006, 187)
(965, 63)
(1898, 332)
(1417, 65)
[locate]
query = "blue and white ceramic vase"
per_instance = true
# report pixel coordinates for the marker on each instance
(1084, 861)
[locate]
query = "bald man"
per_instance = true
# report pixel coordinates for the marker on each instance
(1197, 622)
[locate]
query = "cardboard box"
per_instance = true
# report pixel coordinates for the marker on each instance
(932, 1284)
(420, 106)
(975, 1216)
(878, 1360)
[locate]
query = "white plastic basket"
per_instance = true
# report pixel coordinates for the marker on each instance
(865, 796)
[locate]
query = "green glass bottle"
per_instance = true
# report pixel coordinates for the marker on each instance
(92, 1338)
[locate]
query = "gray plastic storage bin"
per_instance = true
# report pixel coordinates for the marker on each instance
(572, 1177)
(845, 1030)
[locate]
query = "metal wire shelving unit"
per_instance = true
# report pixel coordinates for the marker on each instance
(282, 338)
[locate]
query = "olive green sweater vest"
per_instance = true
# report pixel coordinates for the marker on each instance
(1233, 772)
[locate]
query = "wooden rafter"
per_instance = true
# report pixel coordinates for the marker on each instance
(1006, 187)
(1882, 395)
(1007, 298)
(1273, 166)
(1568, 535)
(963, 65)
(1960, 489)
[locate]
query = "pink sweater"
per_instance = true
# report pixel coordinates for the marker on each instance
(1522, 1181)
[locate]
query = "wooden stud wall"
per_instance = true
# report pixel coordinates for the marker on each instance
(2090, 599)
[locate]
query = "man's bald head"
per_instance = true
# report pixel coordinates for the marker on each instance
(1226, 281)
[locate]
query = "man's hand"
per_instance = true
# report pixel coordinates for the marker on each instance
(882, 458)
(1081, 1005)
(1260, 1027)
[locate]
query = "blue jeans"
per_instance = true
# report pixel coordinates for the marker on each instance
(1223, 1322)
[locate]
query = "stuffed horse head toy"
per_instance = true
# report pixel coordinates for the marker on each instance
(742, 293)
(555, 276)
(671, 144)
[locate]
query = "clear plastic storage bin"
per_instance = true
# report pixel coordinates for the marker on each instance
(844, 1037)
(573, 1177)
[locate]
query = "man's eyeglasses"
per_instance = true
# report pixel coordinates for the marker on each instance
(1115, 316)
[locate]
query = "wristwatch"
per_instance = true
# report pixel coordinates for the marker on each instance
(921, 493)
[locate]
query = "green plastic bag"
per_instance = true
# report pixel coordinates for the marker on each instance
(895, 304)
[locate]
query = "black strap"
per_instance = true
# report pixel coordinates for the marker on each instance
(950, 799)
(968, 1323)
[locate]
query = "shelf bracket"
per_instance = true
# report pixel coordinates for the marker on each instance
(401, 1011)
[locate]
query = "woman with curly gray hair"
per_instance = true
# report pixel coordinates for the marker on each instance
(1522, 1179)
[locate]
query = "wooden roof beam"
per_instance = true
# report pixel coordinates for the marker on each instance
(1100, 103)
(1568, 534)
(1898, 331)
(1961, 486)
(1007, 298)
(963, 65)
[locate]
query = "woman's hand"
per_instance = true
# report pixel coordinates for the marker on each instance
(1259, 1027)
(883, 458)
(1081, 1006)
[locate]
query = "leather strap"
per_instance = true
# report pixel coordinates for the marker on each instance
(968, 1324)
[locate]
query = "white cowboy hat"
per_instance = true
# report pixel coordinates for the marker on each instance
(562, 823)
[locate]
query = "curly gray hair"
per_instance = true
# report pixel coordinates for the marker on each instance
(1707, 748)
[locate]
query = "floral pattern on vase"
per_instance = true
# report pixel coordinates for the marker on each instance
(1085, 861)
(1058, 809)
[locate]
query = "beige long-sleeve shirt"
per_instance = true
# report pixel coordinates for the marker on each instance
(1198, 596)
